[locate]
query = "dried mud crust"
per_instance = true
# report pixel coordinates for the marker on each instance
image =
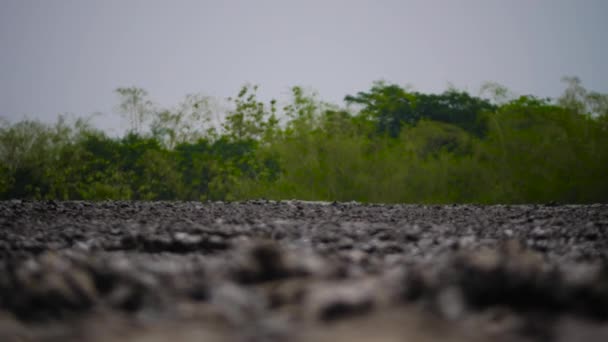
(302, 271)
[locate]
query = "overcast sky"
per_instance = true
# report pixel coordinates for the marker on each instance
(59, 56)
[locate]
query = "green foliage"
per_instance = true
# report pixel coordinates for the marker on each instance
(543, 152)
(390, 107)
(398, 146)
(250, 119)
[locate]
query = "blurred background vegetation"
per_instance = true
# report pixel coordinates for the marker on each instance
(388, 144)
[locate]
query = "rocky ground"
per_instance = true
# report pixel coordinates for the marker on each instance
(302, 271)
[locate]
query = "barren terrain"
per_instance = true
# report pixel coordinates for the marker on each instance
(302, 271)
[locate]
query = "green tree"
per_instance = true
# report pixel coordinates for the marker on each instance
(388, 105)
(249, 118)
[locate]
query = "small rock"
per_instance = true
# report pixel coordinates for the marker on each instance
(332, 302)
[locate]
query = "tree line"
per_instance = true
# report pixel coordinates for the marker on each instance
(387, 144)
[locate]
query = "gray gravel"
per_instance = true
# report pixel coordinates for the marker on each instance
(292, 270)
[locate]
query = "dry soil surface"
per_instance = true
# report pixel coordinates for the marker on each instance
(302, 271)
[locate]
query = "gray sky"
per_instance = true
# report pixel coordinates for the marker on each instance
(62, 56)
